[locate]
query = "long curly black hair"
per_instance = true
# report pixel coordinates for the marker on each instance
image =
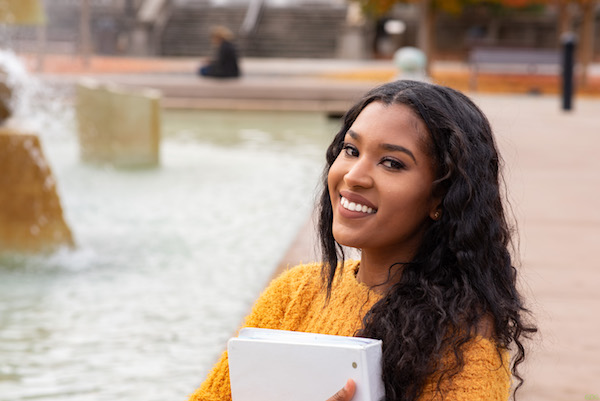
(462, 273)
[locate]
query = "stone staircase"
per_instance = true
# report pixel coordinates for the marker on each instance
(187, 32)
(303, 31)
(306, 30)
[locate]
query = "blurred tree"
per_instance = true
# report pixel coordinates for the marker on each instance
(428, 10)
(587, 11)
(586, 43)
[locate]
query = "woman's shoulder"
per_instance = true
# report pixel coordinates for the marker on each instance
(313, 272)
(295, 277)
(305, 279)
(272, 305)
(301, 272)
(483, 358)
(485, 375)
(485, 348)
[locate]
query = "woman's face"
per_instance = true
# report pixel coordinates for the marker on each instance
(381, 182)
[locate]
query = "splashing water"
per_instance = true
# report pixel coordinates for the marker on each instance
(35, 107)
(168, 260)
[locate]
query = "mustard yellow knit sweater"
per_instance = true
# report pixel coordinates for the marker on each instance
(296, 301)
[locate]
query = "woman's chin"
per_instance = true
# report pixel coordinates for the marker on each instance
(349, 242)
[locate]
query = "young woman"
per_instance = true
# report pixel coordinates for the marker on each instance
(412, 181)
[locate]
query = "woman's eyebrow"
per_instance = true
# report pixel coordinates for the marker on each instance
(353, 134)
(398, 148)
(386, 146)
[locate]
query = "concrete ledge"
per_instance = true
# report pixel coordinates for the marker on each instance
(250, 93)
(331, 106)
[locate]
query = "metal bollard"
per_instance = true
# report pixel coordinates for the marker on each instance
(568, 40)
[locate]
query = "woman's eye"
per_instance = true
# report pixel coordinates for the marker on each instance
(350, 150)
(393, 164)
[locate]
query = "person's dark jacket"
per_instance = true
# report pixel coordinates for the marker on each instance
(225, 65)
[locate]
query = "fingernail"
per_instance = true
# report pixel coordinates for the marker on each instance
(347, 386)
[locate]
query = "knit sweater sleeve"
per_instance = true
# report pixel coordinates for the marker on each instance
(485, 376)
(268, 312)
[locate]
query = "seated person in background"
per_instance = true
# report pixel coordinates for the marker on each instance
(225, 62)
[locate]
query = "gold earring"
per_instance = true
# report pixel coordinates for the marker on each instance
(436, 215)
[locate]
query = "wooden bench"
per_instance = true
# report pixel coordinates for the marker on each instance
(519, 59)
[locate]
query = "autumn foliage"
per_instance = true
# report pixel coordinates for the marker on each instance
(380, 7)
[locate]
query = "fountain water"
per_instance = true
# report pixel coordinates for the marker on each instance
(31, 217)
(168, 260)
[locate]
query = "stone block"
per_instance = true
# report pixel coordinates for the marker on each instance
(31, 217)
(118, 126)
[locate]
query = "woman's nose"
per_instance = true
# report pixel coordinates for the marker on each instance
(359, 174)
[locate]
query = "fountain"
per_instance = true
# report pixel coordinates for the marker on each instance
(168, 259)
(31, 218)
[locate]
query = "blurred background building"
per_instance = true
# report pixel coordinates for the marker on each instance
(301, 28)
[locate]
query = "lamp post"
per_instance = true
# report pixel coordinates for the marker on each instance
(568, 61)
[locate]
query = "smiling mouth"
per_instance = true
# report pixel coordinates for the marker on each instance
(356, 207)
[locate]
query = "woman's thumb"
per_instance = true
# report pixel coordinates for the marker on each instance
(346, 393)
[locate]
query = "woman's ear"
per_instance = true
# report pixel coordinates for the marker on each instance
(436, 210)
(437, 197)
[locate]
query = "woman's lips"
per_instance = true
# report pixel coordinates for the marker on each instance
(352, 202)
(356, 207)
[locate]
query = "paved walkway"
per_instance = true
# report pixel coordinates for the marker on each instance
(553, 175)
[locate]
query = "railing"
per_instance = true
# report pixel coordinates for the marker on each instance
(528, 60)
(252, 18)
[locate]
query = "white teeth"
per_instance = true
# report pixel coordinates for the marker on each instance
(356, 207)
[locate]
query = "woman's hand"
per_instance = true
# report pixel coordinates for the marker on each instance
(346, 393)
